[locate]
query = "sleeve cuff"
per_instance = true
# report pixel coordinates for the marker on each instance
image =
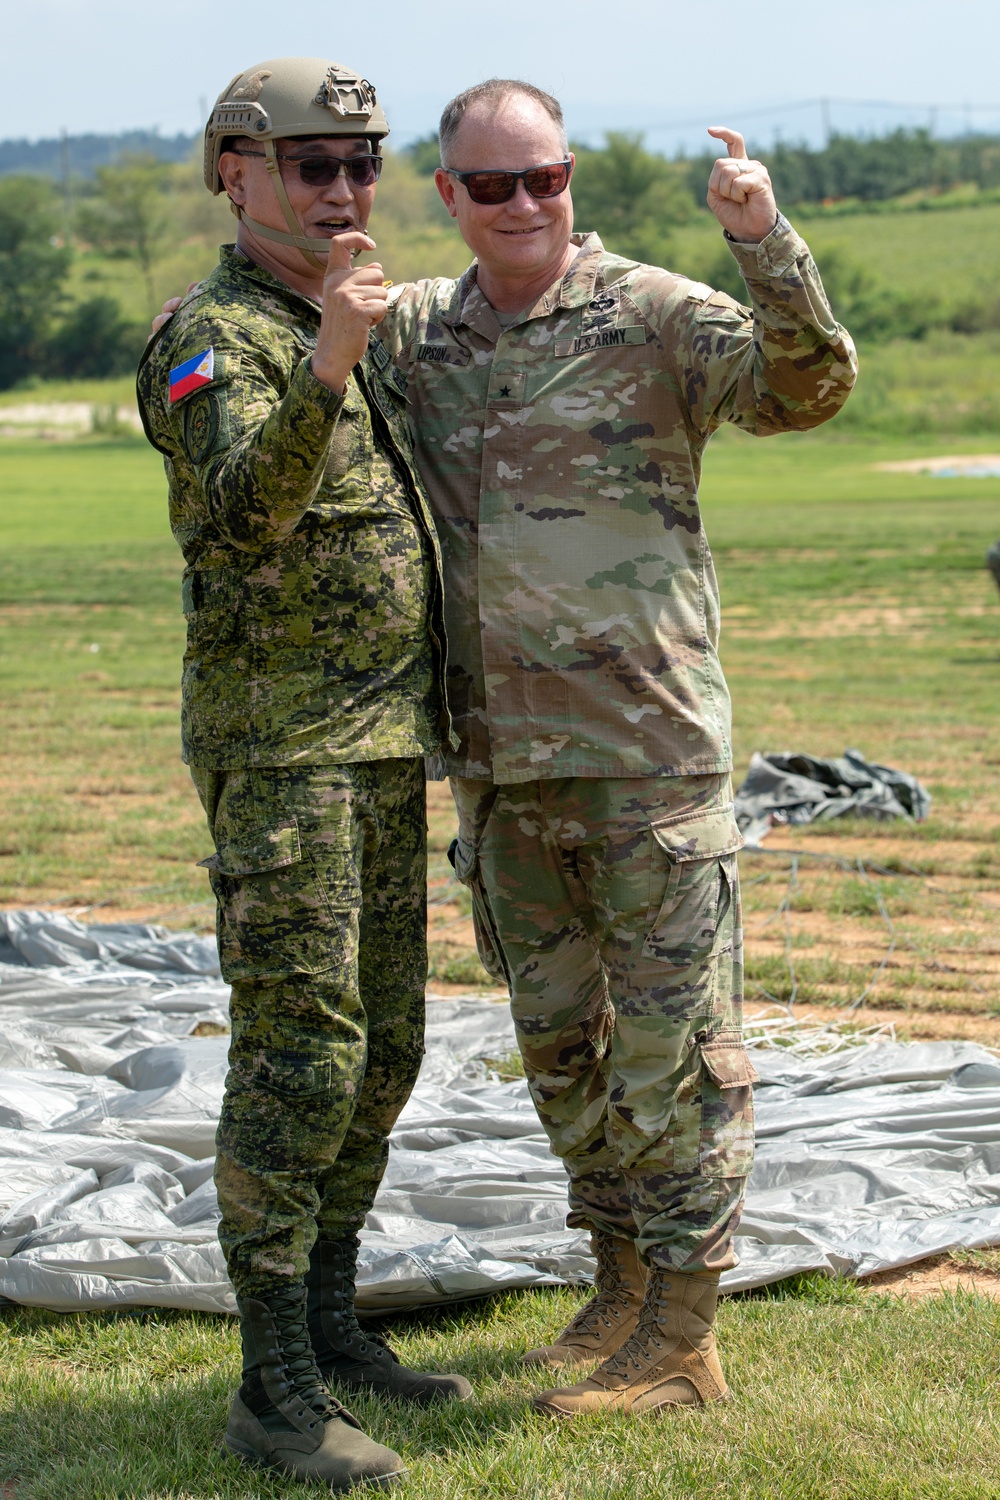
(329, 400)
(773, 256)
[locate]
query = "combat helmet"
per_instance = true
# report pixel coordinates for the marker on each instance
(291, 96)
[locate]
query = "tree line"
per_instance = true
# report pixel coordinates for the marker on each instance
(56, 236)
(75, 156)
(875, 169)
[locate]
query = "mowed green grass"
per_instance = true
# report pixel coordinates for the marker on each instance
(856, 604)
(92, 637)
(838, 1394)
(808, 537)
(857, 612)
(947, 255)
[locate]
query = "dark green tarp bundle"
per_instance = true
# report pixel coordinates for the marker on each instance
(786, 787)
(993, 562)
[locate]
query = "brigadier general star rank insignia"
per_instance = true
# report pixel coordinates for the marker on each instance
(505, 390)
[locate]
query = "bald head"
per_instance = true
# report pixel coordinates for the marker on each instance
(519, 104)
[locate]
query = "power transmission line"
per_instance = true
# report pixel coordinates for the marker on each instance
(824, 105)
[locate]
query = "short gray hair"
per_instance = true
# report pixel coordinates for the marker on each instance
(493, 93)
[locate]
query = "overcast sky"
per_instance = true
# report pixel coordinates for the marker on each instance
(657, 65)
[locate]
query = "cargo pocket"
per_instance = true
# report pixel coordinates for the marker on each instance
(698, 849)
(274, 918)
(293, 1075)
(212, 604)
(465, 863)
(714, 1134)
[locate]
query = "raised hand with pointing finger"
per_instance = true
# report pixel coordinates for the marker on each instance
(740, 194)
(354, 300)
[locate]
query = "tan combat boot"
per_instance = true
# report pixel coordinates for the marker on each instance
(603, 1325)
(670, 1360)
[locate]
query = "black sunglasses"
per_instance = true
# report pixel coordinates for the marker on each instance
(320, 171)
(546, 181)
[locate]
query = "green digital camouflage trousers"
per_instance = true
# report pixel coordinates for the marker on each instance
(320, 878)
(612, 910)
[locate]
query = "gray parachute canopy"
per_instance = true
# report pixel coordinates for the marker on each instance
(790, 787)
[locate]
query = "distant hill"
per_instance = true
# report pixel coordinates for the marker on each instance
(81, 154)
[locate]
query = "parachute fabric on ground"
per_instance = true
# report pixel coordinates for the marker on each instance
(791, 787)
(869, 1156)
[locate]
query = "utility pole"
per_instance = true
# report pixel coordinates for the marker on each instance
(67, 188)
(824, 105)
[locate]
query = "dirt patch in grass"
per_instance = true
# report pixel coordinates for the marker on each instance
(827, 619)
(949, 463)
(937, 1276)
(908, 1026)
(884, 911)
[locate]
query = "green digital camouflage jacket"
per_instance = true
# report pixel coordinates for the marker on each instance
(562, 456)
(313, 582)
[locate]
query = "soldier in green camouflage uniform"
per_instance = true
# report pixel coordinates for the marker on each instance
(312, 688)
(561, 399)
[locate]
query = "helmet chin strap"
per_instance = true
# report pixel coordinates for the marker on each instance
(310, 250)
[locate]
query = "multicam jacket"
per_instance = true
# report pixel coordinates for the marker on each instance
(562, 456)
(312, 589)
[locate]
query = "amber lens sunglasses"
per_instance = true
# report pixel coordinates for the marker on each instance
(546, 181)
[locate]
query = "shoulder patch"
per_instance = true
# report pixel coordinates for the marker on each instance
(206, 425)
(721, 308)
(697, 291)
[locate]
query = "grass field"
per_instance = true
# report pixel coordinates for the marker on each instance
(951, 256)
(839, 1394)
(857, 613)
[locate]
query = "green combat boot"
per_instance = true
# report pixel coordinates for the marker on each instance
(349, 1356)
(283, 1417)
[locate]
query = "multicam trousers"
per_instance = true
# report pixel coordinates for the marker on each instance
(611, 908)
(320, 879)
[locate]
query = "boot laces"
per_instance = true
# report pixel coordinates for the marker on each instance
(357, 1339)
(351, 1332)
(612, 1291)
(299, 1360)
(637, 1349)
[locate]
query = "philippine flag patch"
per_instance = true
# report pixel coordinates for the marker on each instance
(191, 374)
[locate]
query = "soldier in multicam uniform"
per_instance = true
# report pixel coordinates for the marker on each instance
(561, 399)
(312, 689)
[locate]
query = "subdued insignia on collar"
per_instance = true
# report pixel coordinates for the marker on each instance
(394, 378)
(379, 353)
